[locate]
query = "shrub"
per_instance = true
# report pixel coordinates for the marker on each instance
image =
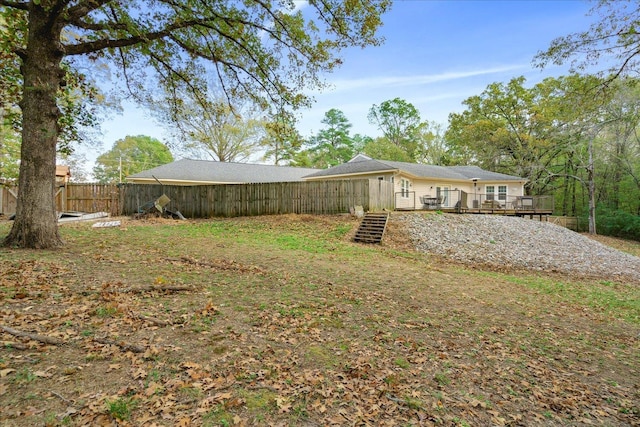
(618, 223)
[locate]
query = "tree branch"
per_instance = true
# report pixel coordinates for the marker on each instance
(31, 336)
(98, 27)
(97, 45)
(234, 67)
(82, 9)
(14, 4)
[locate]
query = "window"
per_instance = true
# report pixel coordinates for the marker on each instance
(502, 193)
(381, 178)
(404, 187)
(491, 191)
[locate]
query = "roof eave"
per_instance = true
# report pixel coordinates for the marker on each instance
(347, 175)
(180, 181)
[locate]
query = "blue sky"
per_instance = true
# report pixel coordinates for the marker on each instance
(436, 54)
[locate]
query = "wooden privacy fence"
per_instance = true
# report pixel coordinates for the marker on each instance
(91, 198)
(570, 222)
(80, 197)
(230, 200)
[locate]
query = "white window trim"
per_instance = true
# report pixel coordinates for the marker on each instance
(505, 194)
(495, 193)
(404, 190)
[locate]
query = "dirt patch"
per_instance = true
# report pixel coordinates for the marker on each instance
(283, 320)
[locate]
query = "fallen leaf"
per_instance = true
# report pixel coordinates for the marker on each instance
(5, 372)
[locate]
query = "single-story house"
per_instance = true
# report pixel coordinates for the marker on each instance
(422, 186)
(415, 186)
(203, 172)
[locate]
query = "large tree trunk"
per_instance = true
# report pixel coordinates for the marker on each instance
(36, 223)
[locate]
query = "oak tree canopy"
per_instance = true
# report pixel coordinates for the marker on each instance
(268, 51)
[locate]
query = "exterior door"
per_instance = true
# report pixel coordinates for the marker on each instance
(444, 192)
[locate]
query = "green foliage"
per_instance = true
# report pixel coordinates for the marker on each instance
(433, 148)
(508, 128)
(613, 37)
(9, 152)
(618, 223)
(207, 126)
(134, 154)
(78, 99)
(383, 149)
(399, 122)
(332, 145)
(563, 135)
(281, 140)
(121, 408)
(270, 53)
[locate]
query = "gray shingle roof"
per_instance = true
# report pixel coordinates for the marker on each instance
(224, 172)
(360, 166)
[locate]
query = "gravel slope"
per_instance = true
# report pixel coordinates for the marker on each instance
(512, 242)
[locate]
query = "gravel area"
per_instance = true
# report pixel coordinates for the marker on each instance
(519, 243)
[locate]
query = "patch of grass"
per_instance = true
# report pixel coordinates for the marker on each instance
(121, 408)
(320, 357)
(402, 363)
(218, 416)
(621, 301)
(413, 403)
(259, 400)
(106, 311)
(191, 393)
(442, 379)
(24, 375)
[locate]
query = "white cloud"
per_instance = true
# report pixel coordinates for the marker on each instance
(341, 85)
(299, 5)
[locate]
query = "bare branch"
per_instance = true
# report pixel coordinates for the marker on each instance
(36, 337)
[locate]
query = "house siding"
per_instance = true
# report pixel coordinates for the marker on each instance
(420, 188)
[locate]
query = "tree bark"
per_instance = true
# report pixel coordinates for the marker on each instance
(592, 189)
(36, 224)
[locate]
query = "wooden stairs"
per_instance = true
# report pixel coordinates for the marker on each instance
(372, 227)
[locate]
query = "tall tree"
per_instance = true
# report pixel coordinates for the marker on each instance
(281, 139)
(508, 129)
(131, 155)
(382, 149)
(332, 145)
(621, 149)
(433, 148)
(399, 122)
(207, 127)
(266, 51)
(613, 37)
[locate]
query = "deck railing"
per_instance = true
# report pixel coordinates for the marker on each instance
(462, 201)
(490, 201)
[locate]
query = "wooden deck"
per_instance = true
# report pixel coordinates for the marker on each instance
(498, 211)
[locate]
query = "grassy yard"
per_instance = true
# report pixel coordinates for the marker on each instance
(284, 321)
